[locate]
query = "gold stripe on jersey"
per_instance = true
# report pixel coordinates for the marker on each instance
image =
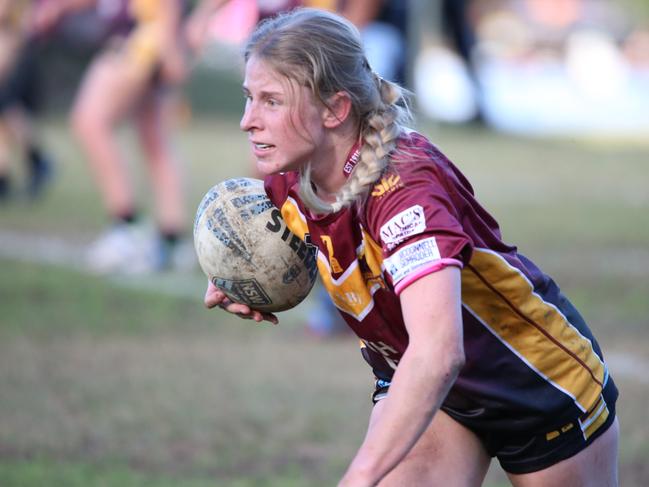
(351, 292)
(373, 256)
(294, 219)
(503, 299)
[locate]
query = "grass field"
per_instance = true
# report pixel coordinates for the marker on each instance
(117, 382)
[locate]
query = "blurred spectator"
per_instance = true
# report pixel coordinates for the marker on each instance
(384, 30)
(383, 25)
(541, 67)
(559, 67)
(446, 82)
(19, 97)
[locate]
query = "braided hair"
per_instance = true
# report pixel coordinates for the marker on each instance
(323, 52)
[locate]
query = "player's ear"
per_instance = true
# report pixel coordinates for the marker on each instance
(337, 110)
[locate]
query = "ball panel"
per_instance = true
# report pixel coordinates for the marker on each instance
(245, 248)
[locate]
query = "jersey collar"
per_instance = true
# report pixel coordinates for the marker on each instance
(352, 159)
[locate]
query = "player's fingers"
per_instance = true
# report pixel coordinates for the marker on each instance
(236, 308)
(258, 316)
(213, 296)
(244, 311)
(270, 317)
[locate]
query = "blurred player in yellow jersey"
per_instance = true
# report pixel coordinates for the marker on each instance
(135, 79)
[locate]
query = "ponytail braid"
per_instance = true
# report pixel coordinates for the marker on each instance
(379, 132)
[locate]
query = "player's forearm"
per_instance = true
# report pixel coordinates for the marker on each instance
(170, 19)
(418, 388)
(197, 24)
(203, 12)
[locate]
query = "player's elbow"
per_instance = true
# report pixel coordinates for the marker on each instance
(457, 362)
(453, 361)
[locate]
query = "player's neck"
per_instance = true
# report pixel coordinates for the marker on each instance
(327, 170)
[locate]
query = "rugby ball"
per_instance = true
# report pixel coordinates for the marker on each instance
(245, 248)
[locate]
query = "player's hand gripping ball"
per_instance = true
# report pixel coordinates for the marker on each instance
(246, 250)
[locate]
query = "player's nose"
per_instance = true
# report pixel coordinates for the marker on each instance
(249, 120)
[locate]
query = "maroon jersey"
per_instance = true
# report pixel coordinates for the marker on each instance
(529, 355)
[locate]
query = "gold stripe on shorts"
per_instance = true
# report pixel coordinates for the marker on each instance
(594, 419)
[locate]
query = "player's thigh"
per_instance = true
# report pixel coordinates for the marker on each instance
(110, 88)
(446, 454)
(154, 117)
(595, 466)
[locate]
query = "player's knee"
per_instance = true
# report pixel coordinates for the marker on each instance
(84, 122)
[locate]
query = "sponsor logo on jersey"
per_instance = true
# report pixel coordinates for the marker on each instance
(409, 222)
(412, 257)
(387, 185)
(389, 354)
(305, 250)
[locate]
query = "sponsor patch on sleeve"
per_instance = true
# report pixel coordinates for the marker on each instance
(412, 257)
(409, 222)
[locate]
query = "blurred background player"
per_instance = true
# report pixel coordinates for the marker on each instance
(134, 78)
(383, 25)
(19, 99)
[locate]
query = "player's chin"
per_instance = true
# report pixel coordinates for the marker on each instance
(267, 167)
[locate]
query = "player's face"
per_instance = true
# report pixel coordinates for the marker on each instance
(283, 120)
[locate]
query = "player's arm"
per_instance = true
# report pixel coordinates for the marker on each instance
(214, 297)
(198, 22)
(435, 354)
(174, 66)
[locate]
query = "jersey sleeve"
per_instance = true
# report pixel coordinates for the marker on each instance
(412, 215)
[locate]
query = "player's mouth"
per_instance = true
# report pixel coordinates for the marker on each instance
(260, 148)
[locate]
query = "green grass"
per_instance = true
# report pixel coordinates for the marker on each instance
(37, 473)
(131, 382)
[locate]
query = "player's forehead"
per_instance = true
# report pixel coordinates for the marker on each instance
(261, 77)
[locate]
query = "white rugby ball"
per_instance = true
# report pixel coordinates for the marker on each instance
(245, 248)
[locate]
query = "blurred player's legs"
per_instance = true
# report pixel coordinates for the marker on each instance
(153, 122)
(5, 161)
(38, 166)
(18, 104)
(115, 88)
(108, 91)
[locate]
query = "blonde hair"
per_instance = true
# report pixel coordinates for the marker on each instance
(323, 52)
